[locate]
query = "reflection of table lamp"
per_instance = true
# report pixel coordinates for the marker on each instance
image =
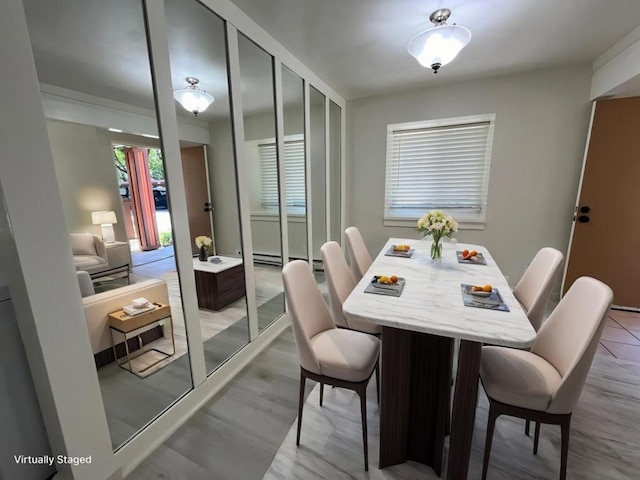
(106, 219)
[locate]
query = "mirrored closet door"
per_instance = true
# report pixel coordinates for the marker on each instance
(261, 153)
(197, 51)
(294, 159)
(100, 112)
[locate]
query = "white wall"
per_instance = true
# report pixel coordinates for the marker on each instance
(265, 230)
(540, 132)
(86, 175)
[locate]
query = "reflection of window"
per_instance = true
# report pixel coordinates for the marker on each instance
(294, 174)
(440, 164)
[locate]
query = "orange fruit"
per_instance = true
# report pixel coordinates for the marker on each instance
(473, 253)
(487, 288)
(465, 252)
(393, 279)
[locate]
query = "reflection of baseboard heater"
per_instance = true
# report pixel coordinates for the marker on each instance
(266, 259)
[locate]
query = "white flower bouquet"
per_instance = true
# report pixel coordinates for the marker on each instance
(203, 241)
(437, 225)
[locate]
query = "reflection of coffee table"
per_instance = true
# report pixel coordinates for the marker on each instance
(219, 284)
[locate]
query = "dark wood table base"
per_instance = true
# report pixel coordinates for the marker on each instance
(416, 396)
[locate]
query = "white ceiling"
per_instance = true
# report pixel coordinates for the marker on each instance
(359, 46)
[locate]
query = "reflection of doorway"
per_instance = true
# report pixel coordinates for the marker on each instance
(196, 186)
(145, 206)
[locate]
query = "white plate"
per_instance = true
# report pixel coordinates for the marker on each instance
(478, 294)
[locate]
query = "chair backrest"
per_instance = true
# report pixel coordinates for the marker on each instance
(569, 338)
(534, 288)
(87, 244)
(339, 278)
(309, 314)
(86, 285)
(358, 254)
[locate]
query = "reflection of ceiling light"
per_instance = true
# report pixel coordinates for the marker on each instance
(116, 130)
(192, 98)
(439, 45)
(148, 135)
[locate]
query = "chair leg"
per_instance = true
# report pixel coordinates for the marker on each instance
(527, 426)
(303, 380)
(362, 392)
(321, 392)
(378, 381)
(491, 423)
(565, 429)
(536, 438)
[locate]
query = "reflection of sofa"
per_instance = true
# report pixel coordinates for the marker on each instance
(98, 307)
(89, 253)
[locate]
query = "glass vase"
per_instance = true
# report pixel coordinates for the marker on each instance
(202, 255)
(436, 249)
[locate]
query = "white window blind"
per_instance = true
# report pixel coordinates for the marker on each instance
(294, 174)
(440, 165)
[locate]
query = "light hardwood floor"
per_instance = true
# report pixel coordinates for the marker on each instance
(132, 402)
(238, 432)
(603, 444)
(242, 432)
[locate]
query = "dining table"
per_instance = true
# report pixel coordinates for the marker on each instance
(420, 329)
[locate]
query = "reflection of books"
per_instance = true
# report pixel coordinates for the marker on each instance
(132, 311)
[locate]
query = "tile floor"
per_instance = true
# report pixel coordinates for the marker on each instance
(621, 336)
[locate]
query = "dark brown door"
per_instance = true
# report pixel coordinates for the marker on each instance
(606, 238)
(194, 170)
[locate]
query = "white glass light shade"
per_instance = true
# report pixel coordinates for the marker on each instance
(103, 217)
(439, 45)
(193, 100)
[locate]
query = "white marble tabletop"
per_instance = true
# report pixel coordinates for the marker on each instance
(431, 300)
(225, 264)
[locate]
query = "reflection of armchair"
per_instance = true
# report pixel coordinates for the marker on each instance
(89, 253)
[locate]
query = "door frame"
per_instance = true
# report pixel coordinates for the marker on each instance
(575, 208)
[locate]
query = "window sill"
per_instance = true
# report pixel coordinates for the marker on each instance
(265, 216)
(463, 224)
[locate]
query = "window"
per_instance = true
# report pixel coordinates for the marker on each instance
(294, 175)
(439, 164)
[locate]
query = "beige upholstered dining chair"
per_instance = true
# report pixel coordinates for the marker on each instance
(341, 284)
(358, 254)
(544, 384)
(338, 357)
(534, 288)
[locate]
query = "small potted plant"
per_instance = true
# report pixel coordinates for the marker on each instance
(203, 243)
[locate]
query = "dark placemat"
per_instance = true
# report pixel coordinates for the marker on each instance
(492, 302)
(476, 260)
(382, 289)
(391, 253)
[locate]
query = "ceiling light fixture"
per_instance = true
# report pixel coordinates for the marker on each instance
(439, 45)
(192, 98)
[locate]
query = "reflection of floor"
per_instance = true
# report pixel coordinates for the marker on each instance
(237, 433)
(132, 402)
(145, 258)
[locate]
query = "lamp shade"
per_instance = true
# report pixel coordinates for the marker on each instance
(103, 217)
(439, 45)
(192, 98)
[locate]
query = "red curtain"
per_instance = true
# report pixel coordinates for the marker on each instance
(142, 196)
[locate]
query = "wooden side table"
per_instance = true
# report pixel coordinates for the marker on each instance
(132, 326)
